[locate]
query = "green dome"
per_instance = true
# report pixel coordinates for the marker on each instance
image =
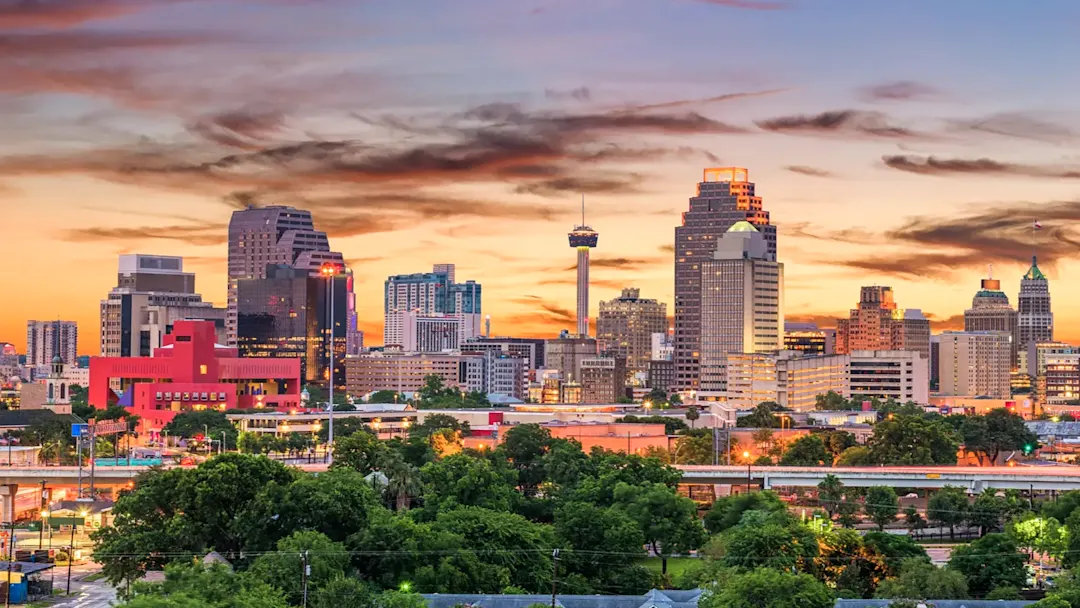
(742, 226)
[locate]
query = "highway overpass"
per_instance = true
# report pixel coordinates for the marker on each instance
(1039, 478)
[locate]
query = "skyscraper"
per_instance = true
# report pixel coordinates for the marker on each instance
(152, 293)
(46, 340)
(583, 238)
(724, 196)
(430, 293)
(742, 303)
(274, 235)
(975, 364)
(1035, 320)
(877, 324)
(626, 325)
(990, 311)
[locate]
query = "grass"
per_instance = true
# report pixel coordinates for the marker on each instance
(95, 576)
(675, 565)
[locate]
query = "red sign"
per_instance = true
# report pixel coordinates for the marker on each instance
(109, 428)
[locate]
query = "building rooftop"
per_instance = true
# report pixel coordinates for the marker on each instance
(1033, 273)
(742, 226)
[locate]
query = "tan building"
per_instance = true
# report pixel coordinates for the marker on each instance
(990, 311)
(902, 375)
(406, 372)
(975, 364)
(877, 324)
(787, 378)
(1060, 384)
(626, 325)
(566, 353)
(603, 379)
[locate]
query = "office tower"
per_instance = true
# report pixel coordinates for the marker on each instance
(808, 339)
(662, 374)
(603, 379)
(975, 364)
(789, 378)
(742, 304)
(429, 333)
(990, 311)
(662, 346)
(724, 196)
(1061, 383)
(903, 375)
(877, 324)
(583, 238)
(152, 293)
(430, 293)
(566, 353)
(408, 372)
(505, 374)
(1035, 320)
(530, 350)
(626, 326)
(274, 235)
(286, 314)
(47, 340)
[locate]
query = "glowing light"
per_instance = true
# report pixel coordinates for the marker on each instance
(44, 513)
(746, 454)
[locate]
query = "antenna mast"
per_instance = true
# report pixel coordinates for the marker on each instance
(582, 208)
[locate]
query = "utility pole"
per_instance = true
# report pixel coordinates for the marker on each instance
(11, 556)
(554, 575)
(93, 440)
(44, 505)
(305, 574)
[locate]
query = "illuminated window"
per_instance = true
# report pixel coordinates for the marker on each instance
(202, 369)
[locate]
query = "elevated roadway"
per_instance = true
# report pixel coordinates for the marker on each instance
(975, 479)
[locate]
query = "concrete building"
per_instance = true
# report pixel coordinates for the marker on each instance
(789, 378)
(877, 324)
(583, 238)
(434, 333)
(808, 339)
(990, 311)
(626, 326)
(505, 374)
(152, 293)
(1060, 385)
(663, 346)
(47, 340)
(531, 350)
(566, 353)
(902, 375)
(603, 379)
(1036, 318)
(742, 304)
(430, 293)
(662, 374)
(725, 196)
(975, 364)
(276, 235)
(1033, 356)
(286, 314)
(406, 372)
(386, 420)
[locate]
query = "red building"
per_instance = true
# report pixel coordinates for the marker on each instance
(191, 372)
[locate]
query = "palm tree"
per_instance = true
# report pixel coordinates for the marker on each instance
(402, 481)
(692, 414)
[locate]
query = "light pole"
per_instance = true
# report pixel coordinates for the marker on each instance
(222, 450)
(746, 455)
(329, 271)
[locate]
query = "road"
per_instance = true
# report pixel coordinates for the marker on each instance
(97, 594)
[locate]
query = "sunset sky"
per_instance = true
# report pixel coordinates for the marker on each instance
(905, 143)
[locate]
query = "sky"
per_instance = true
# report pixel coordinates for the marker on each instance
(909, 144)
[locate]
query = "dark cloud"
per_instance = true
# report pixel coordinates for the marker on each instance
(811, 171)
(756, 5)
(20, 14)
(1019, 126)
(903, 90)
(632, 264)
(841, 123)
(78, 43)
(931, 165)
(588, 185)
(543, 311)
(680, 103)
(667, 248)
(578, 94)
(206, 233)
(856, 236)
(245, 129)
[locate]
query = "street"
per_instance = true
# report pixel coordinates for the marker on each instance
(97, 594)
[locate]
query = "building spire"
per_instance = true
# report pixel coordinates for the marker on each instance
(990, 273)
(582, 208)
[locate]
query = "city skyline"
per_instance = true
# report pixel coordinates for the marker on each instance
(874, 171)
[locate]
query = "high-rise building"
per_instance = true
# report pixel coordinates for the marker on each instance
(789, 378)
(505, 374)
(531, 350)
(152, 293)
(724, 196)
(742, 304)
(903, 375)
(1036, 319)
(663, 347)
(271, 236)
(626, 326)
(661, 374)
(286, 314)
(430, 333)
(877, 324)
(603, 379)
(47, 340)
(1061, 383)
(975, 364)
(807, 339)
(566, 353)
(430, 293)
(990, 311)
(583, 238)
(408, 372)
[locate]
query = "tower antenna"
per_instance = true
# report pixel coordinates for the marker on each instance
(991, 274)
(582, 208)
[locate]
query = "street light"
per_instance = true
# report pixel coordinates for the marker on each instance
(646, 404)
(746, 455)
(329, 271)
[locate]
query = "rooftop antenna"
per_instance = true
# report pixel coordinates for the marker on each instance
(582, 208)
(991, 275)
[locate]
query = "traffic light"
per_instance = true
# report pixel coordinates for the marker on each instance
(1028, 449)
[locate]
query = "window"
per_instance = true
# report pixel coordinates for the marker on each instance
(202, 369)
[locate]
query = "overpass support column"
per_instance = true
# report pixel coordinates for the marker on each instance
(7, 503)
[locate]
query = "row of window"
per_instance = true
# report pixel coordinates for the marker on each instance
(190, 396)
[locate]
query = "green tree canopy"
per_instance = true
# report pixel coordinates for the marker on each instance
(671, 424)
(668, 521)
(881, 506)
(360, 451)
(461, 480)
(284, 568)
(194, 422)
(919, 579)
(997, 431)
(807, 451)
(192, 585)
(768, 588)
(948, 507)
(726, 512)
(913, 440)
(770, 540)
(990, 562)
(763, 416)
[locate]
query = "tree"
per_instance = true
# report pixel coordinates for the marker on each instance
(694, 448)
(763, 438)
(672, 425)
(193, 585)
(360, 451)
(525, 446)
(343, 592)
(989, 562)
(913, 440)
(581, 528)
(460, 479)
(767, 588)
(855, 456)
(913, 520)
(919, 579)
(326, 559)
(436, 422)
(806, 451)
(343, 427)
(80, 404)
(386, 396)
(948, 507)
(726, 512)
(1062, 508)
(830, 493)
(894, 549)
(198, 422)
(402, 480)
(847, 512)
(996, 431)
(692, 414)
(881, 506)
(987, 512)
(761, 417)
(505, 541)
(771, 540)
(838, 441)
(1036, 534)
(668, 520)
